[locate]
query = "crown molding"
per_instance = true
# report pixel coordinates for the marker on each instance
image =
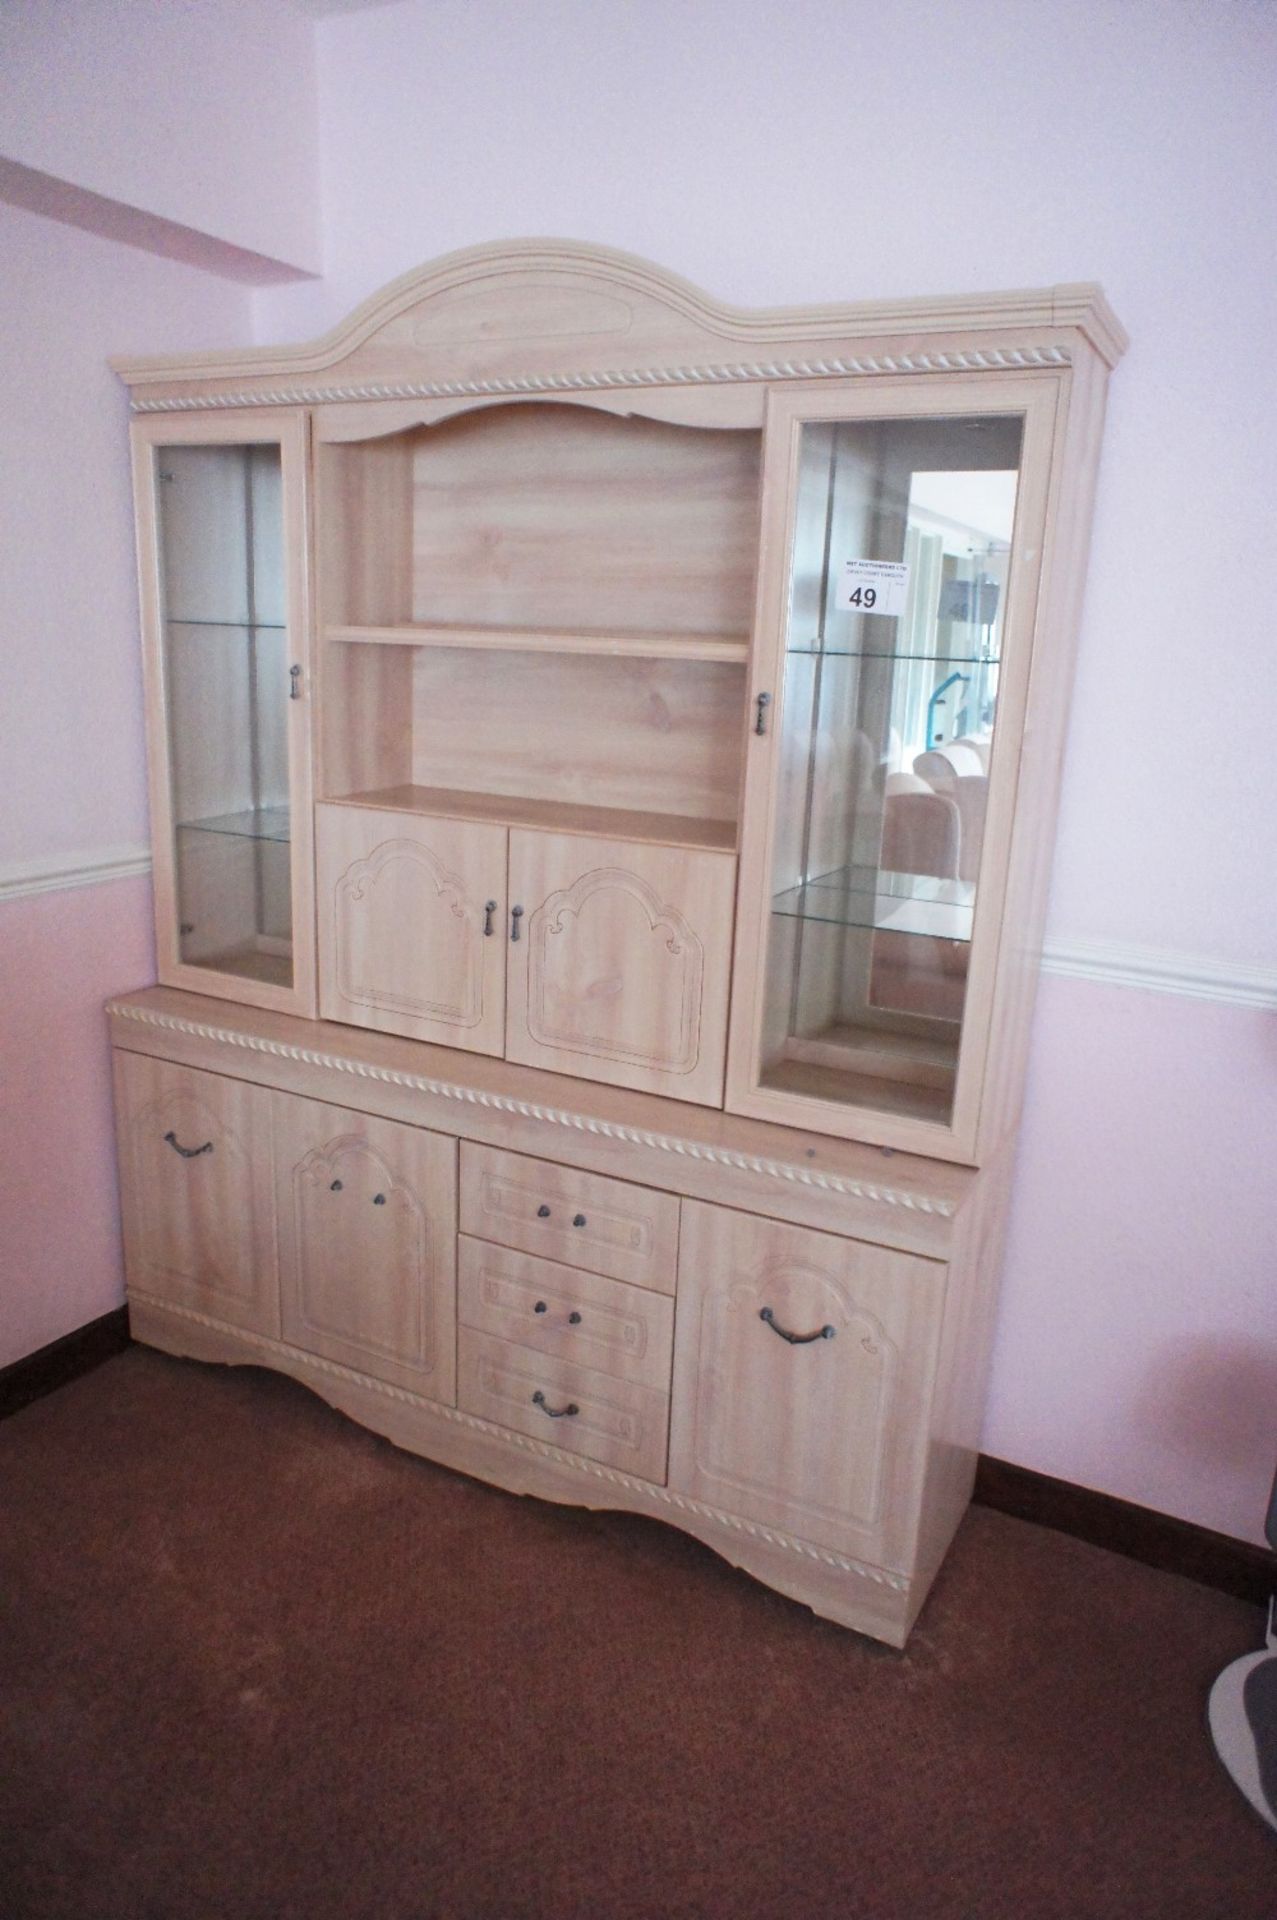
(661, 305)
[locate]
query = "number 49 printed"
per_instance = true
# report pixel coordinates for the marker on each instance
(872, 586)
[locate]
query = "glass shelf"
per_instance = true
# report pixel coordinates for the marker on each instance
(813, 650)
(886, 902)
(253, 823)
(229, 626)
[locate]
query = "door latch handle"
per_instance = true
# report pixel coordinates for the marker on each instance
(794, 1339)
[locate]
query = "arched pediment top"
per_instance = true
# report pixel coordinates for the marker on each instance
(555, 311)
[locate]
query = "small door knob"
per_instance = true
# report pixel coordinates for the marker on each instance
(578, 1219)
(543, 1212)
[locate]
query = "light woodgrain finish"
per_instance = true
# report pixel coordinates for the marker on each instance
(562, 1213)
(578, 1317)
(556, 816)
(827, 1439)
(729, 648)
(403, 910)
(621, 973)
(367, 1237)
(198, 1203)
(839, 1186)
(610, 1420)
(649, 736)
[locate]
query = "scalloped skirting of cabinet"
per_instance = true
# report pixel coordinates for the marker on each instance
(774, 1341)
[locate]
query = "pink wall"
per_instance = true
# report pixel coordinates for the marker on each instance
(62, 954)
(840, 149)
(202, 114)
(71, 751)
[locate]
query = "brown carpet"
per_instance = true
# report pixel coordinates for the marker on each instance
(258, 1663)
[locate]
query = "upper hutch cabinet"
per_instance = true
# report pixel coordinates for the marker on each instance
(223, 572)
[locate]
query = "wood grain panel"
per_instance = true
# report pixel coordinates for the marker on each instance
(196, 1192)
(579, 1317)
(403, 912)
(826, 1439)
(367, 1237)
(613, 1421)
(583, 1219)
(621, 973)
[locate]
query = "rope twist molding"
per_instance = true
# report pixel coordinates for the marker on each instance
(531, 1110)
(641, 1492)
(970, 360)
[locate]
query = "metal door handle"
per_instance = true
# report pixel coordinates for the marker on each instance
(794, 1339)
(555, 1413)
(188, 1153)
(294, 683)
(489, 908)
(762, 703)
(516, 914)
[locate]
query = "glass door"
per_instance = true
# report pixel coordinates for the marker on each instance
(876, 752)
(222, 529)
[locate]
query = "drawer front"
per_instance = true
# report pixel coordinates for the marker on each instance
(802, 1380)
(579, 1317)
(582, 1219)
(196, 1192)
(367, 1241)
(605, 1419)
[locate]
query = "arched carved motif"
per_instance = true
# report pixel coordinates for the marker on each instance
(361, 1237)
(843, 1404)
(652, 991)
(452, 931)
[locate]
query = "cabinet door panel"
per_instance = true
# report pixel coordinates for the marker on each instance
(197, 1198)
(621, 970)
(824, 1436)
(367, 1212)
(403, 909)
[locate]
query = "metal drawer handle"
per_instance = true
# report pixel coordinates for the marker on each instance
(543, 1212)
(379, 1199)
(555, 1413)
(578, 1219)
(489, 908)
(574, 1319)
(188, 1153)
(795, 1339)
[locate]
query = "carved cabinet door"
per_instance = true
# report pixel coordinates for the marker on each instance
(803, 1366)
(199, 1206)
(412, 925)
(620, 968)
(367, 1243)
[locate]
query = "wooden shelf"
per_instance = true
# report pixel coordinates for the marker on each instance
(730, 648)
(551, 816)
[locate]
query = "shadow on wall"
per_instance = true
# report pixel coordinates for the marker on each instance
(1216, 1399)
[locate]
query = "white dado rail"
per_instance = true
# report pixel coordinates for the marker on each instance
(1107, 963)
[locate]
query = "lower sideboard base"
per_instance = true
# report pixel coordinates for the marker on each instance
(870, 1600)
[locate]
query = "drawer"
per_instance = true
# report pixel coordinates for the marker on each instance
(580, 1317)
(613, 1421)
(582, 1219)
